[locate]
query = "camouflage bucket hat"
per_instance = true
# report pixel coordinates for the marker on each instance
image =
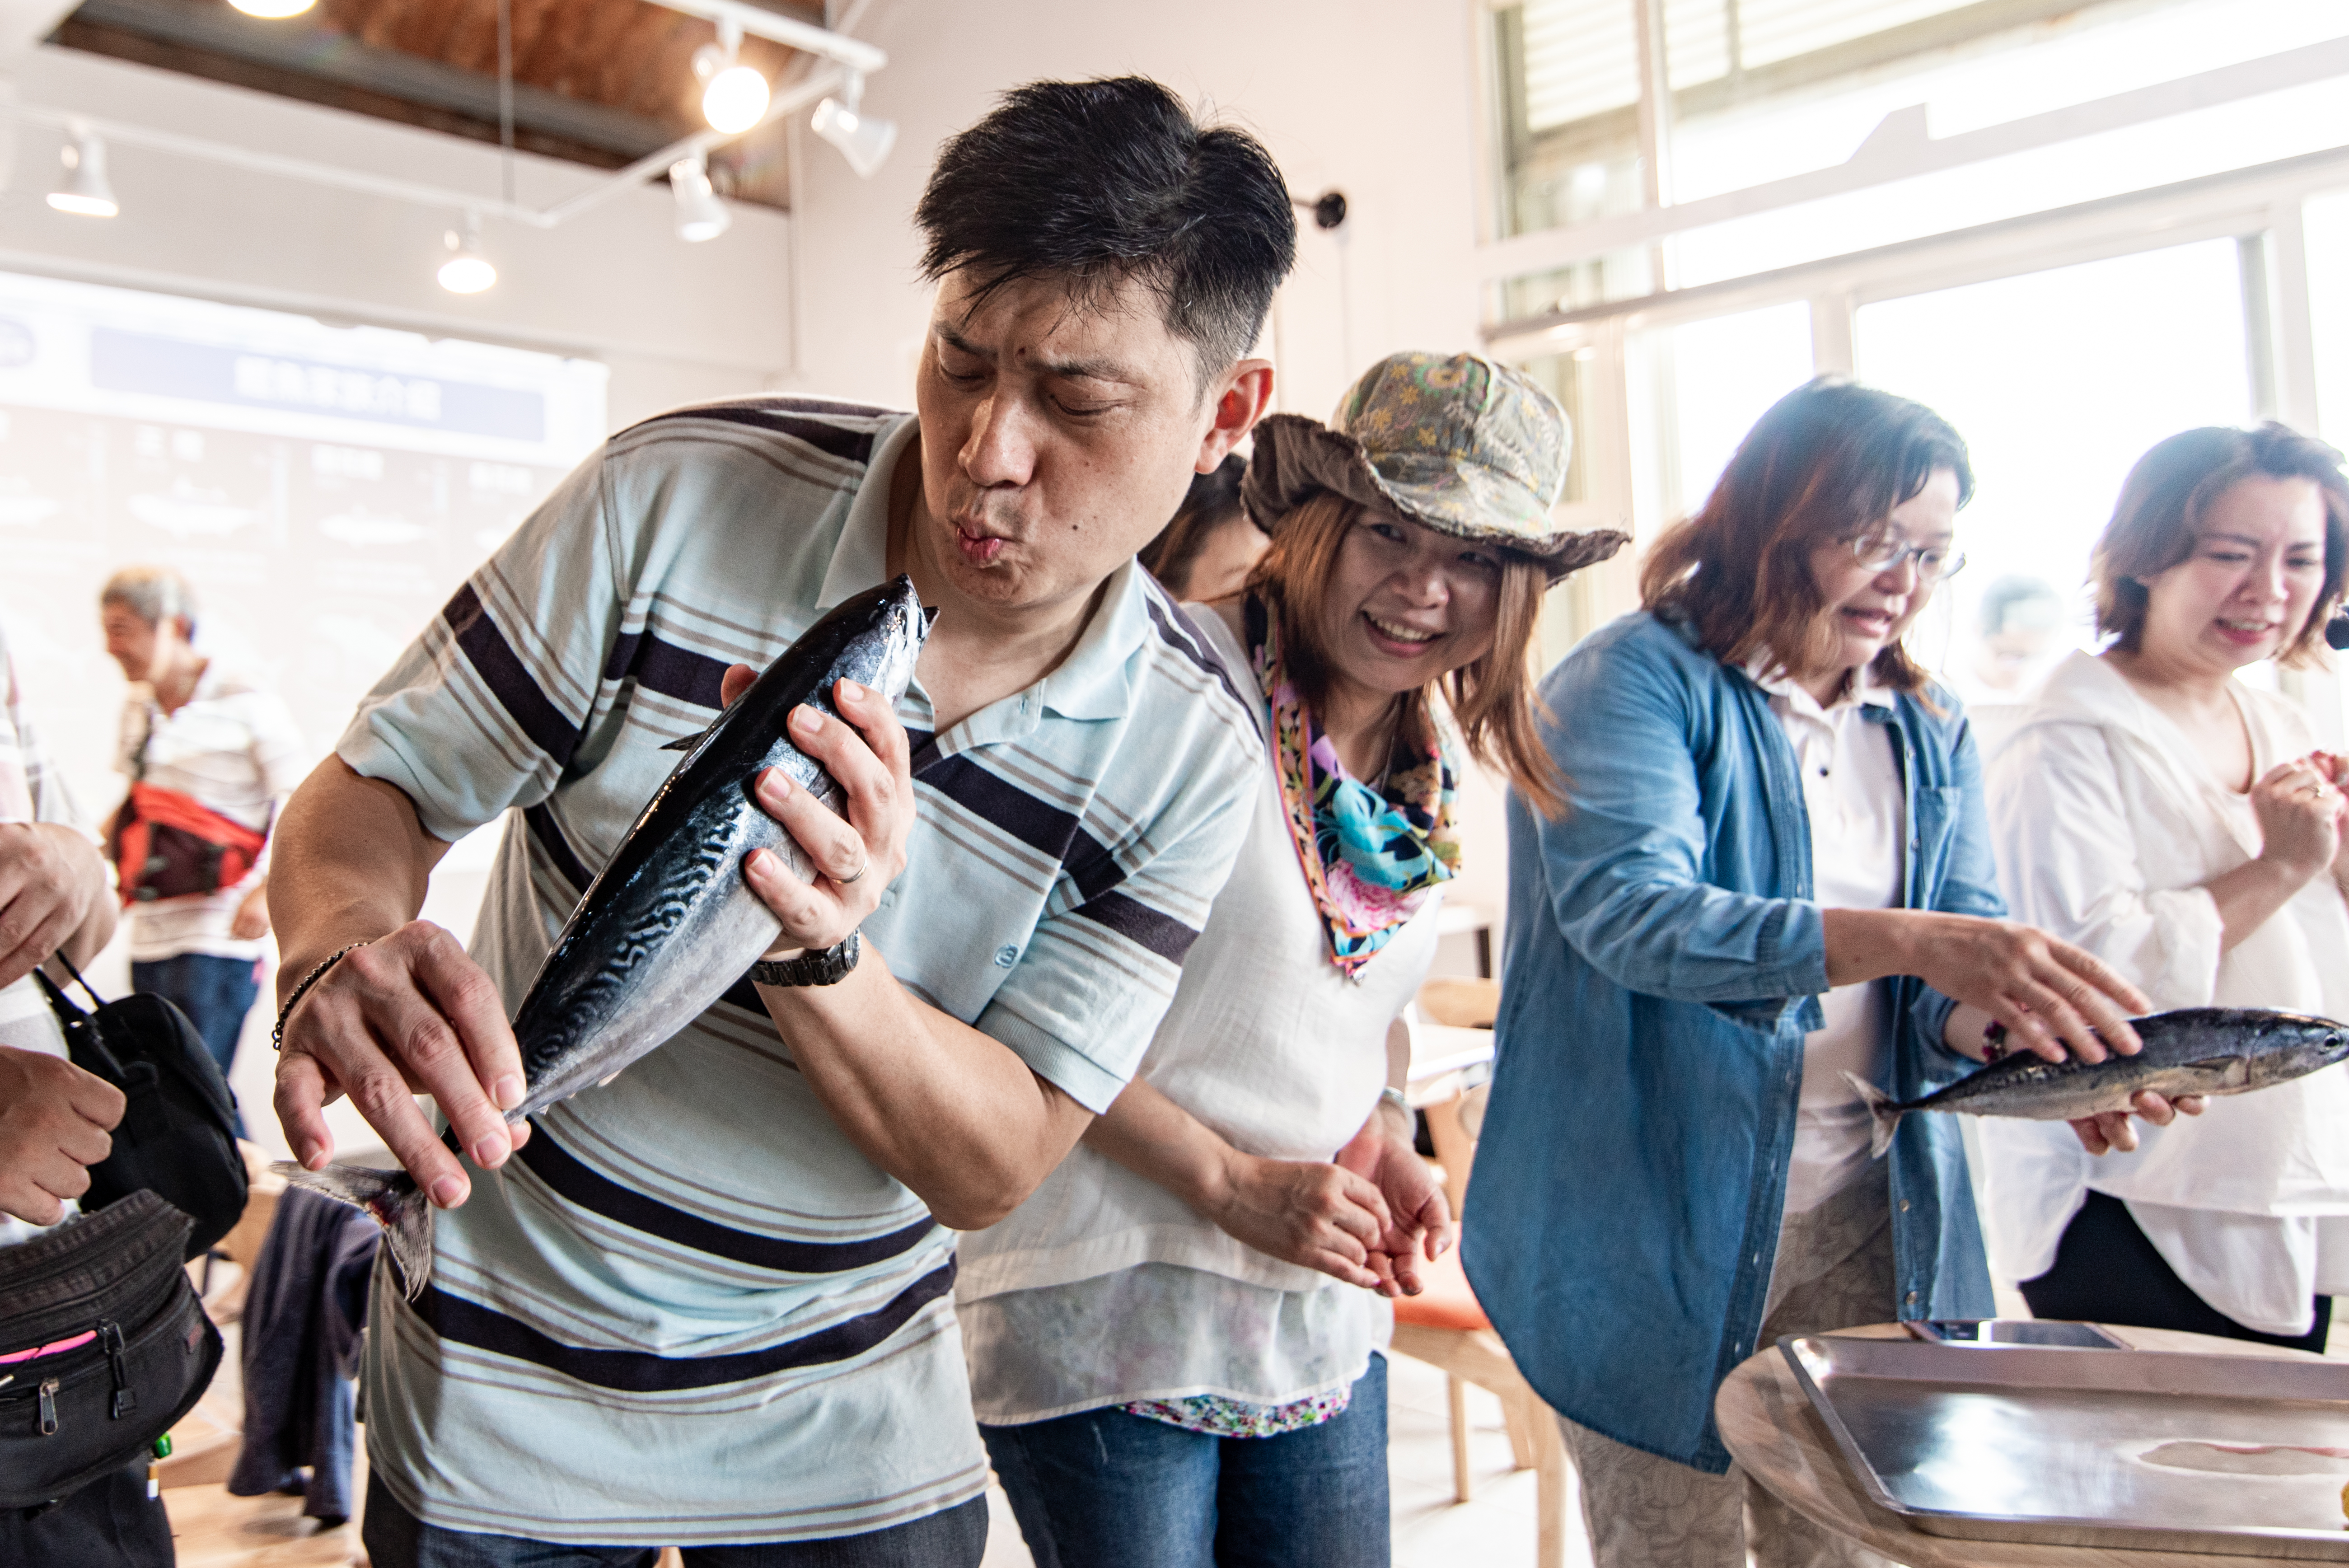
(1465, 446)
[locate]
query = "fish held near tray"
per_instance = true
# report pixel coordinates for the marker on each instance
(671, 922)
(2192, 1051)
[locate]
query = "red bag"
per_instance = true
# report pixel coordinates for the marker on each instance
(166, 845)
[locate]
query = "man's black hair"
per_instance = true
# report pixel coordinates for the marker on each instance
(1101, 180)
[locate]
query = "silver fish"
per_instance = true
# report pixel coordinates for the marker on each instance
(671, 922)
(2191, 1050)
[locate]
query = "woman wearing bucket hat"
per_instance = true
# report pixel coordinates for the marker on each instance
(1173, 1343)
(1772, 881)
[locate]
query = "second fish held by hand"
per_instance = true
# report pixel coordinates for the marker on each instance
(2192, 1051)
(669, 923)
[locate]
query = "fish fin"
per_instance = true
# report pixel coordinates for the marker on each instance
(391, 1198)
(1880, 1107)
(687, 743)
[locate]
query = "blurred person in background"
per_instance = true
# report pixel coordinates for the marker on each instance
(2018, 627)
(1166, 1363)
(211, 756)
(2183, 826)
(2020, 630)
(54, 1117)
(1773, 869)
(1206, 553)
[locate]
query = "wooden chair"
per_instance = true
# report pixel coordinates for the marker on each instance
(1446, 1327)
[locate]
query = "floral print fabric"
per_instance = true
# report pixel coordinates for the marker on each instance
(1369, 853)
(1217, 1416)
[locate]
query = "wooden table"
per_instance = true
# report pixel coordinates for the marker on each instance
(1769, 1428)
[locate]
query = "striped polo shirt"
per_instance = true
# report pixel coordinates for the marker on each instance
(689, 1311)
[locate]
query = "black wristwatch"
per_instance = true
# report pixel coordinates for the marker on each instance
(829, 967)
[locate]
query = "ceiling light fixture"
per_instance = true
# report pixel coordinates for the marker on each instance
(734, 97)
(273, 10)
(862, 141)
(467, 270)
(83, 190)
(700, 216)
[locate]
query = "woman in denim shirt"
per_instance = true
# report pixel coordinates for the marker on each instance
(1773, 867)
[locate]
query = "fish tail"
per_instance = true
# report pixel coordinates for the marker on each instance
(1880, 1106)
(391, 1198)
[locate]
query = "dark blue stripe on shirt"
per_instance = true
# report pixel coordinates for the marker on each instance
(662, 666)
(599, 1194)
(1177, 630)
(1035, 822)
(786, 417)
(1136, 921)
(462, 1322)
(502, 671)
(548, 834)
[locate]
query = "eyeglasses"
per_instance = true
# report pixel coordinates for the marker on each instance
(1882, 550)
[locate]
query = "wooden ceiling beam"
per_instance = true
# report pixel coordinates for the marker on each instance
(599, 82)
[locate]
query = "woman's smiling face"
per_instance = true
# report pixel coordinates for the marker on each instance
(1864, 609)
(1407, 604)
(2251, 583)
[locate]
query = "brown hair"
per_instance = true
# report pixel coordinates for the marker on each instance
(1829, 461)
(1213, 501)
(2163, 502)
(1490, 698)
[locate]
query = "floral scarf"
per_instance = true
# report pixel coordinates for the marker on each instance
(1370, 853)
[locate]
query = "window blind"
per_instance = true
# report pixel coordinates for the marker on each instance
(1581, 56)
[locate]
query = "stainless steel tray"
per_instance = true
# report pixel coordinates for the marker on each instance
(2091, 1447)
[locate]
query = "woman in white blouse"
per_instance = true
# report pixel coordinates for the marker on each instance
(1174, 1344)
(2184, 827)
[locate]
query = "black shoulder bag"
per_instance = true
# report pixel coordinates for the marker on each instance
(119, 1348)
(178, 1133)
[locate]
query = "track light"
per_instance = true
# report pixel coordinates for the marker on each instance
(82, 189)
(864, 141)
(734, 97)
(273, 10)
(700, 216)
(467, 270)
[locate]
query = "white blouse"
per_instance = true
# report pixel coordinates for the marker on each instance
(1851, 789)
(2107, 822)
(1104, 1288)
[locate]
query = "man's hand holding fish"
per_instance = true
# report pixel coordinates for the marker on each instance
(858, 854)
(412, 985)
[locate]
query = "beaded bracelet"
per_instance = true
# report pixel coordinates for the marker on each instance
(277, 1036)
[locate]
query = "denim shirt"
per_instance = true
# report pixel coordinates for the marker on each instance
(1662, 962)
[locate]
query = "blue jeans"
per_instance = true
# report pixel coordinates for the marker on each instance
(395, 1538)
(1103, 1488)
(214, 992)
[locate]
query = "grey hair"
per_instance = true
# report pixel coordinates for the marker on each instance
(153, 594)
